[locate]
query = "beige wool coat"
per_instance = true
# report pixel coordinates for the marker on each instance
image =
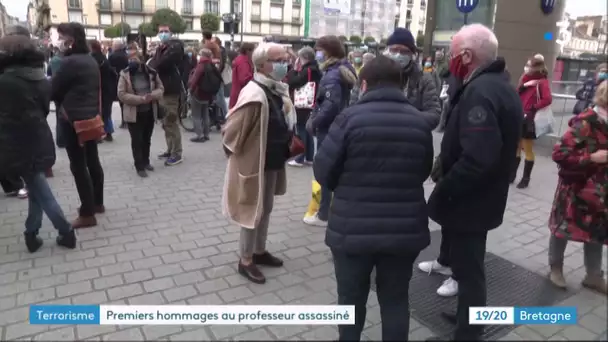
(244, 136)
(130, 100)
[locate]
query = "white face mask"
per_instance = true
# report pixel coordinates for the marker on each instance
(526, 69)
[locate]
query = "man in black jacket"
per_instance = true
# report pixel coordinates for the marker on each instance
(118, 61)
(481, 136)
(167, 61)
(375, 159)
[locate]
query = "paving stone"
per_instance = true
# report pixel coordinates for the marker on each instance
(180, 293)
(74, 289)
(208, 299)
(576, 333)
(88, 331)
(154, 332)
(158, 284)
(125, 291)
(131, 334)
(236, 293)
(225, 331)
(63, 334)
(194, 335)
(107, 282)
(147, 299)
(593, 323)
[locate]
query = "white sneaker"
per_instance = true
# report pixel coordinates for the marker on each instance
(294, 163)
(22, 193)
(449, 288)
(434, 267)
(314, 221)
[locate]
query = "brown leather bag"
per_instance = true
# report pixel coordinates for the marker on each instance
(91, 129)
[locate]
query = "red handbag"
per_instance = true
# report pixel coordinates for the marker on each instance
(91, 129)
(296, 147)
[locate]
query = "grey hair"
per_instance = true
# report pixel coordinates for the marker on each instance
(206, 53)
(307, 53)
(481, 40)
(368, 56)
(260, 54)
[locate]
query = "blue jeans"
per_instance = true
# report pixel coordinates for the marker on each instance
(108, 125)
(325, 203)
(309, 144)
(41, 199)
(220, 100)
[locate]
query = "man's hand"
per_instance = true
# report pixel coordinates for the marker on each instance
(599, 157)
(148, 98)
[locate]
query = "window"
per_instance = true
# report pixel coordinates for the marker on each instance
(212, 6)
(105, 4)
(408, 15)
(255, 28)
(255, 9)
(105, 19)
(134, 20)
(75, 17)
(276, 29)
(187, 7)
(162, 4)
(133, 5)
(295, 13)
(189, 25)
(237, 6)
(276, 13)
(295, 31)
(74, 4)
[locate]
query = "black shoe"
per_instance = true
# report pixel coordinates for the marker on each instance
(33, 242)
(149, 167)
(142, 173)
(267, 259)
(437, 338)
(164, 155)
(525, 180)
(514, 169)
(206, 138)
(108, 138)
(68, 240)
(198, 139)
(450, 317)
(252, 273)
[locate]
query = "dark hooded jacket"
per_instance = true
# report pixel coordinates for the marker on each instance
(421, 90)
(26, 141)
(333, 94)
(309, 72)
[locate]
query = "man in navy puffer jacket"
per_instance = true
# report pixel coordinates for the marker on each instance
(375, 159)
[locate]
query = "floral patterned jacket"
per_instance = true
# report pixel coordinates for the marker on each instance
(580, 207)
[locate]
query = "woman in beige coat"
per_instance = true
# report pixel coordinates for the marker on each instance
(256, 138)
(140, 89)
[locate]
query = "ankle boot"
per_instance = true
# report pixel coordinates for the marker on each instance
(525, 180)
(596, 282)
(32, 242)
(514, 169)
(557, 276)
(67, 240)
(84, 222)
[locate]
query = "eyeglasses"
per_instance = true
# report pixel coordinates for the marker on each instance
(164, 31)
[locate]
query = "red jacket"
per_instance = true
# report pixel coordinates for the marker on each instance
(535, 93)
(242, 73)
(195, 78)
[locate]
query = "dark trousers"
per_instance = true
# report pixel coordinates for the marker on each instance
(308, 141)
(86, 169)
(326, 194)
(59, 138)
(11, 184)
(122, 114)
(445, 251)
(141, 139)
(393, 274)
(467, 255)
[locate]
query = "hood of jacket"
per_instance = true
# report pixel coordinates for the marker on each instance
(26, 72)
(343, 67)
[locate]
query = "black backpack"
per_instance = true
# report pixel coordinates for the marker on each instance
(211, 81)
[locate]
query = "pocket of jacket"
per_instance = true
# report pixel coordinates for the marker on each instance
(248, 189)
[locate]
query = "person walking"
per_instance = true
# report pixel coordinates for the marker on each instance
(26, 141)
(256, 139)
(376, 166)
(580, 209)
(306, 71)
(202, 84)
(242, 71)
(480, 139)
(76, 91)
(535, 94)
(140, 89)
(333, 95)
(119, 61)
(167, 61)
(225, 71)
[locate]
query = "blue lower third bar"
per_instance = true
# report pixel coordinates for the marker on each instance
(557, 315)
(64, 314)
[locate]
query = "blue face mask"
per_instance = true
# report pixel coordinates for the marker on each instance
(320, 56)
(189, 54)
(403, 60)
(428, 65)
(358, 60)
(279, 70)
(164, 36)
(602, 76)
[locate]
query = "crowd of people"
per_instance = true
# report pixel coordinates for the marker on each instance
(363, 122)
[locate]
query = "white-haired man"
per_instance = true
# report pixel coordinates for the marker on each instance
(256, 138)
(472, 175)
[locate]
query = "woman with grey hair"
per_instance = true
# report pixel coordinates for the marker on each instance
(306, 70)
(199, 99)
(256, 139)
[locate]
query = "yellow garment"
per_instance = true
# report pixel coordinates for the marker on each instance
(358, 69)
(429, 69)
(527, 145)
(313, 205)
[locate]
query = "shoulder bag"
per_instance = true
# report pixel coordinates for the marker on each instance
(91, 129)
(304, 97)
(543, 120)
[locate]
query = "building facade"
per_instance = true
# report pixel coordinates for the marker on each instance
(521, 27)
(411, 14)
(259, 17)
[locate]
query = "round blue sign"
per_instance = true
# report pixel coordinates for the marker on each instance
(466, 6)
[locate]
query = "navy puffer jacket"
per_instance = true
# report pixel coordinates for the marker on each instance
(375, 159)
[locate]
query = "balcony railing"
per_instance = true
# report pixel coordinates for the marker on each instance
(187, 10)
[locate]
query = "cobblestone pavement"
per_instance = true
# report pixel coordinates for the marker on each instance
(163, 240)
